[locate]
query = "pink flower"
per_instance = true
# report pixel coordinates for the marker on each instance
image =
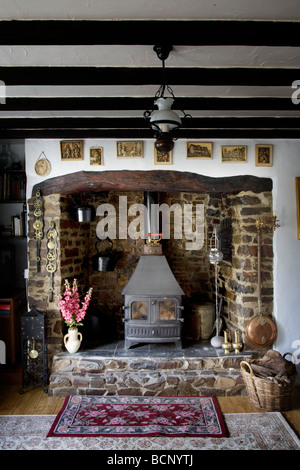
(69, 303)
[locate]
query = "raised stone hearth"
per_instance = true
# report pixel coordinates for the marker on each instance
(152, 369)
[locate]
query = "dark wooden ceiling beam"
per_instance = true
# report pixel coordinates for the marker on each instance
(72, 76)
(137, 134)
(200, 32)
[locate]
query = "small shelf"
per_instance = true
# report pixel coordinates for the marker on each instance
(13, 201)
(12, 186)
(12, 237)
(13, 215)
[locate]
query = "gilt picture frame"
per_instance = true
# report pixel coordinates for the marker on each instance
(160, 159)
(298, 204)
(263, 155)
(196, 150)
(130, 149)
(96, 156)
(71, 150)
(233, 154)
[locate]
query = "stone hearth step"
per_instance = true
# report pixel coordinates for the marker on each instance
(155, 369)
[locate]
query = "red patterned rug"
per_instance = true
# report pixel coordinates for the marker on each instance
(123, 416)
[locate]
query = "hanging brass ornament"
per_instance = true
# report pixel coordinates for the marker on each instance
(38, 224)
(51, 254)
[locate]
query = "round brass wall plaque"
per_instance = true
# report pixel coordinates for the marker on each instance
(42, 166)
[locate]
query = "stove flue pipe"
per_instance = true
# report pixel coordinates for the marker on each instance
(152, 215)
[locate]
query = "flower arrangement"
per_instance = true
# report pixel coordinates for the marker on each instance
(69, 303)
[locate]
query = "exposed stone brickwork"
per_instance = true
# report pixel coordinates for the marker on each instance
(76, 374)
(238, 281)
(72, 255)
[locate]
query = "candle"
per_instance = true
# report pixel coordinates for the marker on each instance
(236, 337)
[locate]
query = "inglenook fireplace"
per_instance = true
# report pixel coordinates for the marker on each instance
(109, 369)
(243, 197)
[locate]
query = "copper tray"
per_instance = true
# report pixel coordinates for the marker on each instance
(261, 330)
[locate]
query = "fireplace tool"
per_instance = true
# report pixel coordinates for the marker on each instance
(214, 256)
(261, 330)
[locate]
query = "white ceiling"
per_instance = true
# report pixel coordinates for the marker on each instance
(151, 9)
(16, 57)
(143, 56)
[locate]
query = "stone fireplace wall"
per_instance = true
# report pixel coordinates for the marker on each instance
(237, 278)
(72, 262)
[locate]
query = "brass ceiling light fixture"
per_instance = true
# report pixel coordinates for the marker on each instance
(164, 121)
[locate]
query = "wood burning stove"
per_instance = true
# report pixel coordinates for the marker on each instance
(153, 303)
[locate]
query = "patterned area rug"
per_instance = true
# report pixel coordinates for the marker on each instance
(247, 431)
(118, 416)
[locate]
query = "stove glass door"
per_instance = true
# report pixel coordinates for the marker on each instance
(166, 310)
(139, 310)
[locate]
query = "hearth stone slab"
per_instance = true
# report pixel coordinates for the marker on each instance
(152, 369)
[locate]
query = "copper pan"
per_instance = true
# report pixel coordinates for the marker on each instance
(261, 329)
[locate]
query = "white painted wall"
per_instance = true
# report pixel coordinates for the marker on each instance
(286, 167)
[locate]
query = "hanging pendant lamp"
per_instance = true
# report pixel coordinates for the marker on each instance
(164, 121)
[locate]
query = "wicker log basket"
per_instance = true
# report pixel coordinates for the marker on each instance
(269, 389)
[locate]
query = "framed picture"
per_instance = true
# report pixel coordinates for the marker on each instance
(71, 150)
(298, 204)
(128, 149)
(160, 159)
(198, 150)
(263, 155)
(96, 155)
(233, 154)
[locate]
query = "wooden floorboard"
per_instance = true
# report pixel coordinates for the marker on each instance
(35, 401)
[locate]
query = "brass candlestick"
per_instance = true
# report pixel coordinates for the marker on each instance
(237, 345)
(226, 345)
